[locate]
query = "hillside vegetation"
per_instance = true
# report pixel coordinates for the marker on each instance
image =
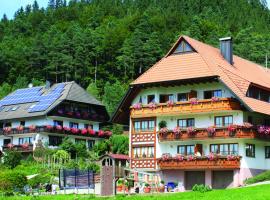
(113, 41)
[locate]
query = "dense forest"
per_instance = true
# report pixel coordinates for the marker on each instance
(105, 44)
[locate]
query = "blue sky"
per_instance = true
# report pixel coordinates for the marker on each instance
(11, 6)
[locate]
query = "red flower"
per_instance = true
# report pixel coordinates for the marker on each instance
(74, 130)
(59, 127)
(49, 127)
(10, 146)
(170, 103)
(193, 101)
(20, 128)
(137, 106)
(100, 133)
(66, 128)
(84, 131)
(91, 131)
(32, 128)
(108, 133)
(7, 129)
(25, 146)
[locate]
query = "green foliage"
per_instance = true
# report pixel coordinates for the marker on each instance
(119, 144)
(102, 147)
(12, 158)
(12, 181)
(162, 124)
(40, 179)
(93, 90)
(265, 176)
(75, 150)
(201, 188)
(117, 129)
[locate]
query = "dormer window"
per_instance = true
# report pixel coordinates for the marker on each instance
(258, 93)
(183, 47)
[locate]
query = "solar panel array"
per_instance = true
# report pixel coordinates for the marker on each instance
(31, 95)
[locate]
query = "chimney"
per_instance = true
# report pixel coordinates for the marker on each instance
(226, 49)
(48, 85)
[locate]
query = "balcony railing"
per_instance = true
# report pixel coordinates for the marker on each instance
(206, 105)
(20, 148)
(200, 163)
(203, 134)
(55, 129)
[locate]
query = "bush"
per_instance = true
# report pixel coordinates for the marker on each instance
(265, 176)
(39, 179)
(201, 188)
(12, 158)
(162, 124)
(12, 181)
(119, 144)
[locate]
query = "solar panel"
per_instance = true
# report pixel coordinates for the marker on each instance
(31, 95)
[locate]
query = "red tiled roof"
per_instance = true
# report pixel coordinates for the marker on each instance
(119, 156)
(208, 61)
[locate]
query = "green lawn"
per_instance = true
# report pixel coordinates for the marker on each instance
(261, 192)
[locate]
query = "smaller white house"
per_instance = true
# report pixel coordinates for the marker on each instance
(48, 114)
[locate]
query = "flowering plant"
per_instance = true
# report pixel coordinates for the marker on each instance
(25, 145)
(137, 106)
(170, 103)
(10, 145)
(59, 127)
(91, 131)
(232, 129)
(7, 129)
(32, 128)
(177, 130)
(78, 114)
(74, 130)
(211, 130)
(211, 156)
(70, 113)
(100, 133)
(84, 131)
(214, 99)
(163, 130)
(232, 157)
(66, 128)
(166, 156)
(193, 101)
(108, 133)
(264, 130)
(190, 158)
(152, 105)
(179, 157)
(247, 125)
(49, 127)
(60, 111)
(20, 128)
(191, 131)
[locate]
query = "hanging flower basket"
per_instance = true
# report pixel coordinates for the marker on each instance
(264, 130)
(137, 106)
(170, 103)
(211, 130)
(193, 101)
(214, 99)
(152, 105)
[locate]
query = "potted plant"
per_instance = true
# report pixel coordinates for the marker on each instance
(147, 188)
(211, 130)
(232, 129)
(119, 185)
(161, 186)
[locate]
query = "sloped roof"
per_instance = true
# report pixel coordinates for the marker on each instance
(208, 61)
(72, 92)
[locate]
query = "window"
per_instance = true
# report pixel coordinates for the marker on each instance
(184, 123)
(212, 93)
(25, 140)
(182, 97)
(267, 152)
(267, 122)
(186, 149)
(144, 125)
(88, 126)
(22, 123)
(143, 152)
(183, 47)
(163, 98)
(8, 124)
(150, 98)
(223, 121)
(258, 93)
(7, 141)
(57, 123)
(250, 150)
(224, 149)
(90, 144)
(73, 125)
(55, 140)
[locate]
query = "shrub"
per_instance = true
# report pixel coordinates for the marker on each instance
(201, 188)
(39, 179)
(12, 158)
(265, 176)
(162, 124)
(12, 181)
(119, 144)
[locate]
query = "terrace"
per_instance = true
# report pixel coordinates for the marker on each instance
(193, 106)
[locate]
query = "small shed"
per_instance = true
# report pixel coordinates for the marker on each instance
(112, 168)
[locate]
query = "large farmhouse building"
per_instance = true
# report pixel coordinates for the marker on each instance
(200, 115)
(46, 115)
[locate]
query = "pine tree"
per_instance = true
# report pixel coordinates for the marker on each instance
(51, 4)
(35, 6)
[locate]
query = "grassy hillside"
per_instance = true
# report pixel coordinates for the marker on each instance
(251, 193)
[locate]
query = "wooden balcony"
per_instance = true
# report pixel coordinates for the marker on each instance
(202, 106)
(202, 134)
(200, 163)
(19, 148)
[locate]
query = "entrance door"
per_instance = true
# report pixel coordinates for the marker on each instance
(194, 177)
(222, 179)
